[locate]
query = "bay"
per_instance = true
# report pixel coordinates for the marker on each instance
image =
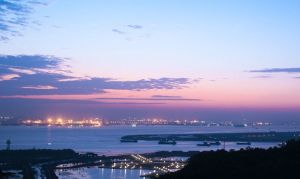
(106, 140)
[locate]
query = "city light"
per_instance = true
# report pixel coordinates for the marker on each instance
(99, 122)
(96, 122)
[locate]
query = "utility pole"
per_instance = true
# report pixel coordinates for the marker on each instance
(8, 142)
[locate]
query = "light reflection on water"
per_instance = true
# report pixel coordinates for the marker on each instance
(106, 140)
(104, 173)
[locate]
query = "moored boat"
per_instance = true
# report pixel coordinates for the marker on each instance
(207, 144)
(204, 144)
(215, 143)
(243, 143)
(167, 141)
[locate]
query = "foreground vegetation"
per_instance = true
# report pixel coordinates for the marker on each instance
(277, 162)
(46, 159)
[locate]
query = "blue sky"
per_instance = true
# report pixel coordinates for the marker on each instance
(237, 54)
(207, 36)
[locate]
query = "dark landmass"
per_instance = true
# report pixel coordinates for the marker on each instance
(276, 162)
(233, 137)
(171, 154)
(5, 175)
(283, 162)
(48, 160)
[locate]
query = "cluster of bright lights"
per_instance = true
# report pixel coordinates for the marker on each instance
(158, 165)
(65, 122)
(125, 165)
(96, 122)
(146, 121)
(261, 123)
(141, 158)
(176, 165)
(5, 117)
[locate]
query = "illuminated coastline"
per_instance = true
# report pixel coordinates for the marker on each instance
(64, 122)
(99, 122)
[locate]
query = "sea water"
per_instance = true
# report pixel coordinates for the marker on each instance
(106, 140)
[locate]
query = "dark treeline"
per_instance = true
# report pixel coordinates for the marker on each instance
(277, 162)
(35, 155)
(48, 159)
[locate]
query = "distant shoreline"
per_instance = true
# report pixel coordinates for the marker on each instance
(228, 137)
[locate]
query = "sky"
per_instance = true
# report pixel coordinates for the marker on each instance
(217, 60)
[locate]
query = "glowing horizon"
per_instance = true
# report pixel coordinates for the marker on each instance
(151, 54)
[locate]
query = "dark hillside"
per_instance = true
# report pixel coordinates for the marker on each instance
(283, 162)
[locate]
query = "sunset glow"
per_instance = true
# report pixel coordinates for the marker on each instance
(119, 54)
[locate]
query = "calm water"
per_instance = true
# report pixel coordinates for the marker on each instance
(104, 173)
(106, 140)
